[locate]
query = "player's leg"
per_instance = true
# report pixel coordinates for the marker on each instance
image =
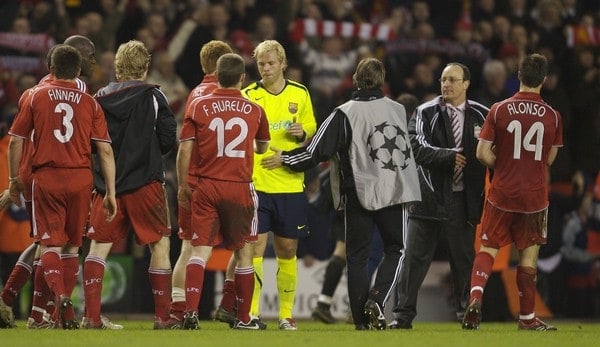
(244, 286)
(159, 273)
(529, 234)
(287, 279)
(20, 274)
(239, 232)
(266, 213)
(226, 312)
(184, 216)
(257, 262)
(42, 305)
(495, 226)
(178, 280)
(291, 224)
(194, 281)
(331, 279)
(93, 275)
(102, 235)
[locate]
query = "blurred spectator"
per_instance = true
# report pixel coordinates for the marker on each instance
(510, 57)
(113, 14)
(21, 26)
(422, 82)
(216, 28)
(483, 10)
(163, 74)
(484, 34)
(581, 279)
(564, 197)
(517, 11)
(145, 35)
(244, 42)
(410, 103)
(337, 10)
(104, 73)
(584, 91)
(494, 84)
(549, 27)
(518, 37)
(155, 22)
(501, 27)
(555, 94)
(328, 66)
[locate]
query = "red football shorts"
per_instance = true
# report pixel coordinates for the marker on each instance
(145, 210)
(224, 212)
(61, 204)
(500, 228)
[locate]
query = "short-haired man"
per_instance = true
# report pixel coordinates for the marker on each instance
(209, 53)
(374, 171)
(443, 135)
(226, 130)
(519, 140)
(42, 302)
(61, 161)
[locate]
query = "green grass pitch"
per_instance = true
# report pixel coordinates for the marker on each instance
(140, 334)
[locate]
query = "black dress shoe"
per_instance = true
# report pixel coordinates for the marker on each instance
(399, 324)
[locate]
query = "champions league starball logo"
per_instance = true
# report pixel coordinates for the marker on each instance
(389, 146)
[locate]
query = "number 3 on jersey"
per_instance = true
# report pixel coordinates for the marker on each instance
(66, 111)
(228, 149)
(535, 133)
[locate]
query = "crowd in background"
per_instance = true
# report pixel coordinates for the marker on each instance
(324, 39)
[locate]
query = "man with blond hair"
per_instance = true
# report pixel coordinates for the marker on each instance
(143, 129)
(282, 201)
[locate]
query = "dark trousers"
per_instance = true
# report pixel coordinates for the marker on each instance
(423, 237)
(359, 234)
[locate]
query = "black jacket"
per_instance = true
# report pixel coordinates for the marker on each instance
(432, 139)
(142, 128)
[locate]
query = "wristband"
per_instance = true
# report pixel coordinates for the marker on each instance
(13, 179)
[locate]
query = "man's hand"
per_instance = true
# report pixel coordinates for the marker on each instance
(296, 130)
(4, 199)
(273, 161)
(109, 204)
(15, 189)
(184, 196)
(460, 161)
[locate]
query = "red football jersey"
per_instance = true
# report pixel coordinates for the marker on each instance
(523, 128)
(207, 86)
(65, 119)
(224, 126)
(27, 154)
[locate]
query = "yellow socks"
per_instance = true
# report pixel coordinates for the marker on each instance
(287, 279)
(258, 280)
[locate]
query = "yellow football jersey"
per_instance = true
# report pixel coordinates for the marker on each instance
(292, 103)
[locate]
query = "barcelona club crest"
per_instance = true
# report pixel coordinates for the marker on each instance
(293, 107)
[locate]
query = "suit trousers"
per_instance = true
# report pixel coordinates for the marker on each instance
(422, 240)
